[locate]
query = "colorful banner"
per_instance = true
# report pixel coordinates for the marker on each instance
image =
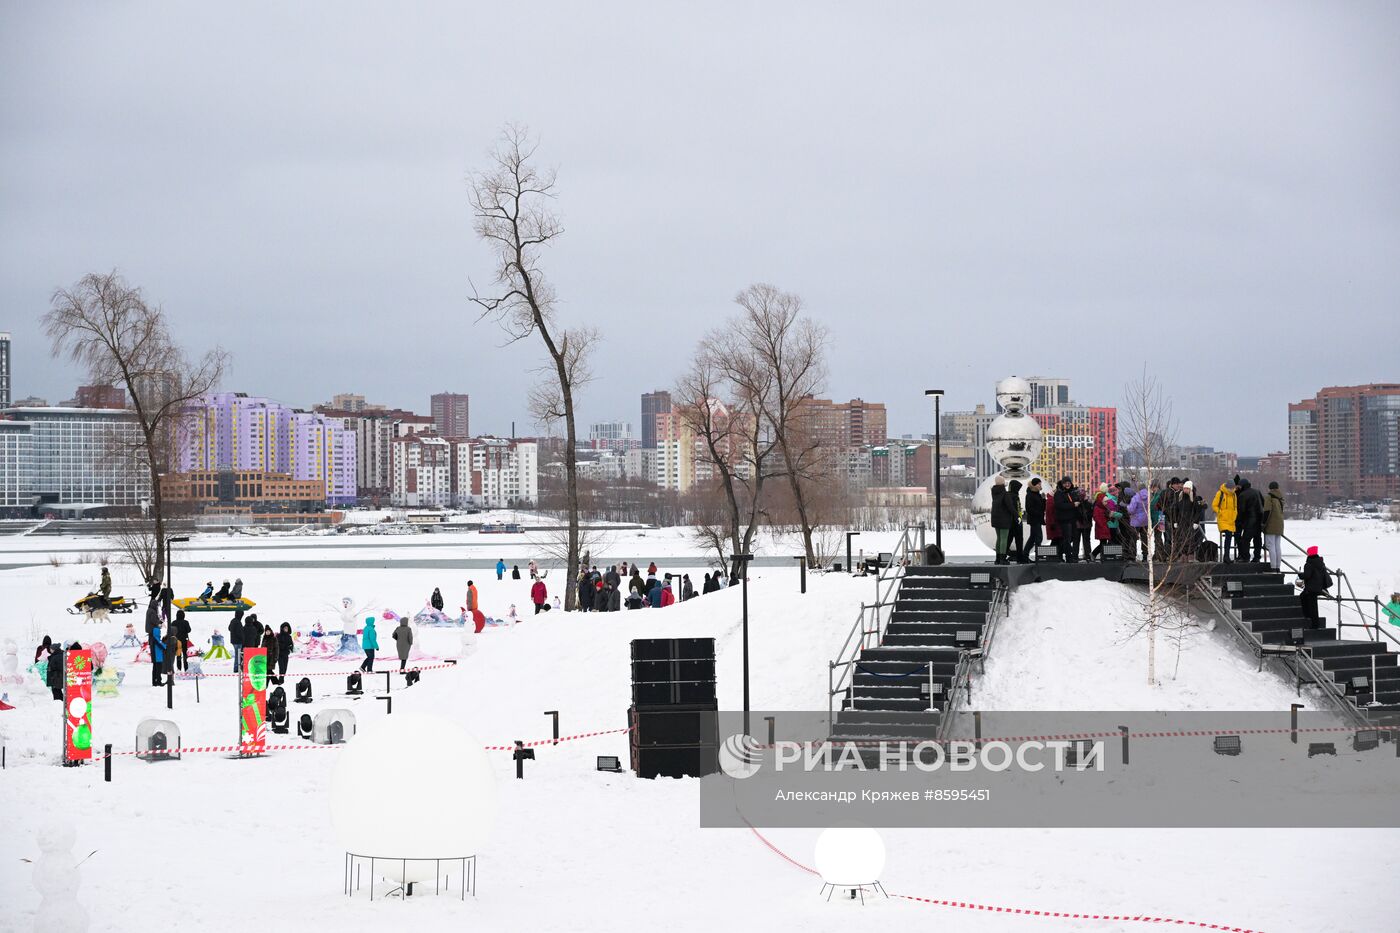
(252, 702)
(77, 705)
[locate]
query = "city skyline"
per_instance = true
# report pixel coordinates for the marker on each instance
(1233, 183)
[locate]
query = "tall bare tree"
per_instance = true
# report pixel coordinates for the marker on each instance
(717, 401)
(791, 351)
(512, 204)
(106, 326)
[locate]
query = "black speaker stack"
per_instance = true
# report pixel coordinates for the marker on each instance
(674, 714)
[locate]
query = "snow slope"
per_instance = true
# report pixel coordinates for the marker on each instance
(578, 849)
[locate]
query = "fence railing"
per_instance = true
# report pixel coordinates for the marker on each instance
(869, 628)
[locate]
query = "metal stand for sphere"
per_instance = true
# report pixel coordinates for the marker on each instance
(354, 861)
(856, 890)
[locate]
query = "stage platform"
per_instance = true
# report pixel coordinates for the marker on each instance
(1016, 575)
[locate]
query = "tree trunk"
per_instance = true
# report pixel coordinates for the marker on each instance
(571, 482)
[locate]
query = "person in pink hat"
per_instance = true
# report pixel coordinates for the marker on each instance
(1315, 582)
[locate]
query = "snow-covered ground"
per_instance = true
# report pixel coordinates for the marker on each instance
(577, 849)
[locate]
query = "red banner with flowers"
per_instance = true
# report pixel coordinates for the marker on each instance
(77, 705)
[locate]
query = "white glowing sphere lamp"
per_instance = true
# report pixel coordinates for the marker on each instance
(850, 857)
(421, 757)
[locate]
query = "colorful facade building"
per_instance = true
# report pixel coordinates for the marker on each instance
(236, 431)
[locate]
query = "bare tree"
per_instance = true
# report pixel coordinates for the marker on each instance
(791, 351)
(716, 401)
(511, 202)
(105, 325)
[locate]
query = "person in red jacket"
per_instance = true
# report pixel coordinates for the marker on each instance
(1052, 525)
(538, 595)
(1104, 506)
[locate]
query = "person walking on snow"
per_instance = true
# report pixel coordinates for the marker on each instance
(180, 628)
(369, 640)
(157, 646)
(500, 568)
(436, 599)
(285, 644)
(1225, 507)
(1273, 525)
(538, 595)
(473, 604)
(403, 638)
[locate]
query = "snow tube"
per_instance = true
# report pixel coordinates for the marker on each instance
(195, 604)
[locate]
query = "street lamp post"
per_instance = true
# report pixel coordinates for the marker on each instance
(173, 539)
(741, 563)
(937, 467)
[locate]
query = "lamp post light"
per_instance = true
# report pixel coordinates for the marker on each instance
(741, 564)
(937, 467)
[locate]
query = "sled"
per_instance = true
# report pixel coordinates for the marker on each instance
(195, 604)
(96, 602)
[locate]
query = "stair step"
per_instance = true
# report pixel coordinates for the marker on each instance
(1294, 611)
(1264, 601)
(916, 655)
(909, 704)
(983, 596)
(941, 605)
(1328, 651)
(1384, 662)
(914, 626)
(1310, 635)
(924, 615)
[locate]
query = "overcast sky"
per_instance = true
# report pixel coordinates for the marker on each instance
(958, 194)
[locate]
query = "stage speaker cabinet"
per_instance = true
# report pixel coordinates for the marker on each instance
(673, 671)
(675, 740)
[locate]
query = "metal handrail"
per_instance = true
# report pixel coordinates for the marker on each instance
(860, 635)
(1303, 660)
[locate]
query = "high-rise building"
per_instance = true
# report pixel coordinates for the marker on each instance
(85, 456)
(348, 401)
(236, 431)
(452, 414)
(1356, 433)
(16, 467)
(1079, 441)
(683, 459)
(495, 472)
(611, 435)
(100, 397)
(960, 427)
(653, 404)
(421, 471)
(4, 369)
(839, 425)
(1302, 441)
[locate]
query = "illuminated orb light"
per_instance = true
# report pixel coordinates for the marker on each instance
(850, 857)
(420, 755)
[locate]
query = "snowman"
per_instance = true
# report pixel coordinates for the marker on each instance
(56, 878)
(9, 663)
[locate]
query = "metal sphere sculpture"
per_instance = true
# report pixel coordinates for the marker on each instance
(1014, 442)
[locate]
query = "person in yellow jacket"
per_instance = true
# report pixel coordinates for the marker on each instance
(1224, 507)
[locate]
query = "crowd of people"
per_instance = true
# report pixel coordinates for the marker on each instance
(1169, 520)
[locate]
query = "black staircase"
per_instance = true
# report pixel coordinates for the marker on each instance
(901, 687)
(1363, 672)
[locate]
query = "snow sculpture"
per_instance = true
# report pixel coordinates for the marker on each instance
(409, 752)
(56, 878)
(9, 663)
(1014, 442)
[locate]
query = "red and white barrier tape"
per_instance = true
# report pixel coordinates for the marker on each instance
(338, 672)
(198, 749)
(1023, 911)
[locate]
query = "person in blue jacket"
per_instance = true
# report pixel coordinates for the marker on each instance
(370, 642)
(157, 643)
(654, 592)
(500, 569)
